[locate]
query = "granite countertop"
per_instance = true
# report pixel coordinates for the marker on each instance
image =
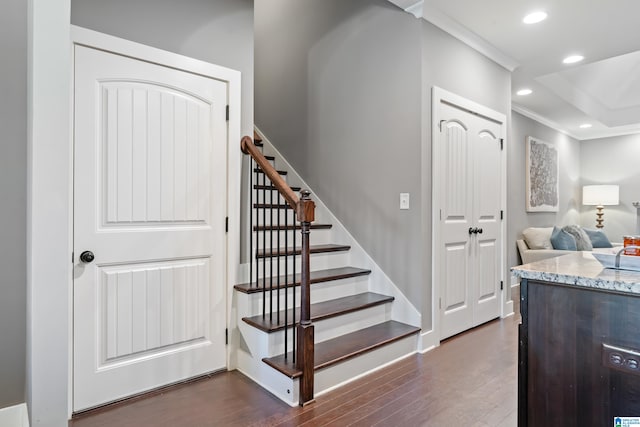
(580, 269)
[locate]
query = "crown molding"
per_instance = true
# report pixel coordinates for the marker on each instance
(416, 9)
(468, 37)
(542, 120)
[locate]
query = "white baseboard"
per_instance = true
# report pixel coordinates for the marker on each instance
(427, 341)
(14, 416)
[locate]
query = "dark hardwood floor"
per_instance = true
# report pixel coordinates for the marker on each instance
(470, 380)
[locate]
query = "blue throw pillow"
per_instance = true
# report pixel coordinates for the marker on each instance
(562, 240)
(598, 238)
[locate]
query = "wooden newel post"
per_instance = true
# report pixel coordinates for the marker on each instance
(306, 214)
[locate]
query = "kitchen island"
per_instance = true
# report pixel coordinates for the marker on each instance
(579, 343)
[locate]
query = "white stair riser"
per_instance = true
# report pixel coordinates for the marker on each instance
(316, 237)
(283, 387)
(251, 304)
(319, 261)
(351, 369)
(265, 216)
(272, 344)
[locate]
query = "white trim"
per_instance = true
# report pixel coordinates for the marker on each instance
(542, 120)
(427, 341)
(48, 212)
(14, 416)
(438, 96)
(417, 9)
(468, 37)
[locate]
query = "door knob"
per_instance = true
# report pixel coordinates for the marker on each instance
(479, 230)
(472, 230)
(87, 257)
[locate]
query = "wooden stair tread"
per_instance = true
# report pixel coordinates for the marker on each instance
(272, 206)
(289, 227)
(346, 346)
(273, 188)
(314, 249)
(258, 170)
(320, 311)
(318, 276)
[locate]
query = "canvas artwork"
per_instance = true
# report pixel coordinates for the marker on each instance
(542, 173)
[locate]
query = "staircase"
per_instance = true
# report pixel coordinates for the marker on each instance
(350, 327)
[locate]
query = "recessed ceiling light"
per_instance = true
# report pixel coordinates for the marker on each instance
(585, 125)
(534, 17)
(523, 92)
(573, 59)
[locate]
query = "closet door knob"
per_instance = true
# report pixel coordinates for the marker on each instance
(479, 230)
(87, 257)
(472, 230)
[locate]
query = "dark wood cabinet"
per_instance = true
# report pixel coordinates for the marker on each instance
(579, 355)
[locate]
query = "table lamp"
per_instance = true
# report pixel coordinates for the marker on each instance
(600, 196)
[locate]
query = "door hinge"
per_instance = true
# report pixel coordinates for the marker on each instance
(440, 303)
(501, 143)
(226, 225)
(501, 284)
(227, 113)
(226, 336)
(72, 257)
(501, 214)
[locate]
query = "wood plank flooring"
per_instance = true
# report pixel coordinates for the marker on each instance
(470, 380)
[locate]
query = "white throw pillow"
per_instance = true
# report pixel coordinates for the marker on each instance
(538, 237)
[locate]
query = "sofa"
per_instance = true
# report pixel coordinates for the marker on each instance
(529, 255)
(537, 243)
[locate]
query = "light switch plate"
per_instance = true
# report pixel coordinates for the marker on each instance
(404, 201)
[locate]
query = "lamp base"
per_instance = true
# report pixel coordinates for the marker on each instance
(599, 214)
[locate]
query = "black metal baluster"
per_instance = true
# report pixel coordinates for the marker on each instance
(278, 260)
(264, 247)
(286, 283)
(293, 321)
(271, 253)
(251, 190)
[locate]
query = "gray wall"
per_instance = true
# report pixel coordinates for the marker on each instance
(612, 161)
(338, 93)
(570, 168)
(13, 175)
(455, 67)
(216, 31)
(343, 89)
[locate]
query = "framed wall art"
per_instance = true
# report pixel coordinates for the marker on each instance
(542, 176)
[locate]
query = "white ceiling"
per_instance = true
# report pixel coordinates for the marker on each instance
(603, 90)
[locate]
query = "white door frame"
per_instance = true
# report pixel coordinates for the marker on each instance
(438, 96)
(49, 197)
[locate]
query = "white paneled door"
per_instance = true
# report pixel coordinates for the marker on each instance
(150, 201)
(470, 166)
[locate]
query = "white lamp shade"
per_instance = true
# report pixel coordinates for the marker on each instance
(600, 195)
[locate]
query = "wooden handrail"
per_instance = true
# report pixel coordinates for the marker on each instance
(247, 146)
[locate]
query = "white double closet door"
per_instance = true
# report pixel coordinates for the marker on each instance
(150, 200)
(469, 252)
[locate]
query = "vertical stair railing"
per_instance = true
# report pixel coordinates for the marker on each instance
(304, 213)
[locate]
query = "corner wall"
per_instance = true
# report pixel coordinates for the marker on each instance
(338, 94)
(612, 161)
(13, 193)
(570, 190)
